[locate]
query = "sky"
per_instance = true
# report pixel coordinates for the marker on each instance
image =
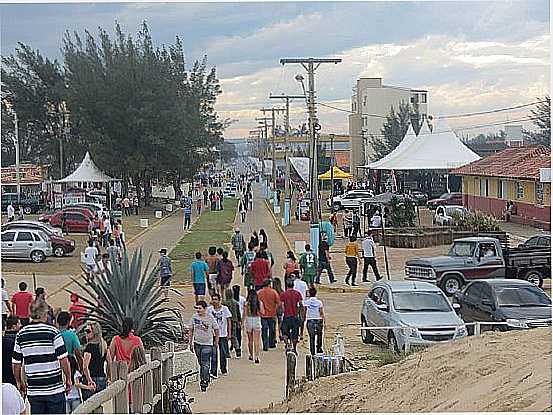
(470, 55)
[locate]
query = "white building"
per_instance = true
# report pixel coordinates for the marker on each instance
(371, 103)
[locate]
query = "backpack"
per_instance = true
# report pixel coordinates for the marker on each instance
(249, 257)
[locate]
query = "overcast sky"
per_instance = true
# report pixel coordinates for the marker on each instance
(470, 55)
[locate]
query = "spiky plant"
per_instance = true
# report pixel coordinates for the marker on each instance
(131, 291)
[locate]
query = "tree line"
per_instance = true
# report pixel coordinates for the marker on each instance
(139, 110)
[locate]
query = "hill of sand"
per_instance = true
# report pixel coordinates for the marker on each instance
(493, 372)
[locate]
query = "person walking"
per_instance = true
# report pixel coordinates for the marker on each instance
(123, 344)
(308, 265)
(165, 271)
(187, 216)
(243, 210)
(220, 352)
(96, 356)
(10, 328)
(77, 310)
(70, 338)
(291, 303)
(199, 272)
(40, 348)
(238, 244)
(315, 321)
(235, 327)
(241, 303)
(356, 223)
(255, 240)
(21, 301)
(347, 220)
(252, 324)
(263, 237)
(199, 206)
(277, 286)
(352, 254)
(245, 264)
(271, 302)
(261, 270)
(135, 204)
(369, 249)
(324, 260)
(91, 255)
(10, 212)
(206, 196)
(212, 261)
(40, 295)
(204, 334)
(6, 305)
(263, 248)
(126, 206)
(225, 269)
(107, 231)
(291, 265)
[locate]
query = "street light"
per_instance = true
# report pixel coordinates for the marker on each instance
(15, 139)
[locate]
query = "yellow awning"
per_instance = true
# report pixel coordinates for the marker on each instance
(338, 174)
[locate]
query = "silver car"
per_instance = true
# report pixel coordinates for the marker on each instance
(413, 312)
(26, 244)
(34, 225)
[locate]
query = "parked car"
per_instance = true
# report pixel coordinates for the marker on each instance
(75, 221)
(446, 199)
(60, 246)
(84, 210)
(350, 200)
(518, 303)
(32, 224)
(30, 204)
(420, 310)
(444, 214)
(537, 241)
(99, 208)
(26, 244)
(480, 258)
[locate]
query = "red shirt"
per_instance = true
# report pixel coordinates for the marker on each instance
(22, 301)
(291, 298)
(260, 270)
(77, 311)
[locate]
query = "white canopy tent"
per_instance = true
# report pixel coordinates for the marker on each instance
(410, 136)
(301, 166)
(87, 172)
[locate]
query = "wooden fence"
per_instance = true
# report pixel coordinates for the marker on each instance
(147, 387)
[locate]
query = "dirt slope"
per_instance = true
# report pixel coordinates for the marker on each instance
(494, 372)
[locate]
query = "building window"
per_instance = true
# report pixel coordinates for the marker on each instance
(539, 194)
(423, 98)
(500, 193)
(484, 187)
(364, 100)
(520, 190)
(365, 121)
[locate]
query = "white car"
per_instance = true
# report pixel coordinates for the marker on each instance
(444, 214)
(351, 199)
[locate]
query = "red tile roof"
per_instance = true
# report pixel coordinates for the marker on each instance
(513, 162)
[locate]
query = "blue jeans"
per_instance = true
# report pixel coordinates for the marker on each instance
(203, 354)
(220, 356)
(48, 404)
(268, 333)
(72, 404)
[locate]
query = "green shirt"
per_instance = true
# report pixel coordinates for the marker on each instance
(308, 262)
(71, 341)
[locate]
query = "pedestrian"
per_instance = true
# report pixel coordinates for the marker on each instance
(113, 251)
(212, 260)
(221, 200)
(204, 333)
(324, 260)
(308, 265)
(135, 204)
(255, 240)
(315, 321)
(292, 304)
(123, 344)
(6, 305)
(10, 212)
(238, 244)
(206, 195)
(116, 236)
(260, 269)
(77, 310)
(263, 248)
(348, 223)
(73, 397)
(120, 241)
(220, 352)
(10, 328)
(40, 346)
(199, 271)
(245, 264)
(20, 215)
(165, 271)
(334, 221)
(277, 286)
(40, 295)
(352, 254)
(21, 301)
(291, 265)
(12, 401)
(241, 303)
(126, 206)
(70, 339)
(263, 237)
(107, 231)
(243, 210)
(187, 216)
(271, 302)
(199, 206)
(356, 223)
(235, 327)
(252, 324)
(376, 220)
(96, 356)
(225, 269)
(369, 257)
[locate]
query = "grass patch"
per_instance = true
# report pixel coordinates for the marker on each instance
(211, 229)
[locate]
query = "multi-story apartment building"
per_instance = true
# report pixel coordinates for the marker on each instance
(371, 102)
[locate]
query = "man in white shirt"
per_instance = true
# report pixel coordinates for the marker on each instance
(107, 231)
(300, 285)
(369, 248)
(90, 256)
(376, 220)
(222, 315)
(11, 212)
(315, 321)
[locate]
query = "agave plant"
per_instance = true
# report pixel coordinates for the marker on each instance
(129, 290)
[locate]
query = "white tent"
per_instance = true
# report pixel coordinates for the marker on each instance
(301, 166)
(87, 172)
(410, 136)
(439, 150)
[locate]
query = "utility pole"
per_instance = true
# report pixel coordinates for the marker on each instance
(287, 198)
(264, 132)
(332, 162)
(311, 65)
(16, 142)
(273, 173)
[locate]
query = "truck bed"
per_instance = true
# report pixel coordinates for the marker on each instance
(527, 257)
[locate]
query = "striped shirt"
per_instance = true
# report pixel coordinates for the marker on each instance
(40, 347)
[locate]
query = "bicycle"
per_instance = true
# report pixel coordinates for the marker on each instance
(178, 400)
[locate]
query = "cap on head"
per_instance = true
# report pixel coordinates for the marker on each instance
(163, 251)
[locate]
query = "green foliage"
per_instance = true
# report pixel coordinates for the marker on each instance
(401, 213)
(394, 129)
(542, 121)
(131, 291)
(475, 222)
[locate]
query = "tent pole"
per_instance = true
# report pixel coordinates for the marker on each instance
(384, 242)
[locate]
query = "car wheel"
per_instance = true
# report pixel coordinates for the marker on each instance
(366, 336)
(534, 277)
(27, 210)
(59, 251)
(37, 256)
(451, 284)
(392, 343)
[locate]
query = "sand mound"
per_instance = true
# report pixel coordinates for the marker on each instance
(494, 372)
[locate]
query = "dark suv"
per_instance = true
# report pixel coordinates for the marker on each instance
(30, 204)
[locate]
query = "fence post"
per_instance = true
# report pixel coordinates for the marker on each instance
(309, 367)
(148, 390)
(156, 380)
(170, 346)
(477, 328)
(121, 400)
(137, 402)
(290, 372)
(165, 373)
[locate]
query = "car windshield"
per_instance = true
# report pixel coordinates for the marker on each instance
(444, 196)
(420, 301)
(521, 297)
(458, 210)
(462, 249)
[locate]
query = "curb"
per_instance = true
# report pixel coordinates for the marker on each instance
(279, 227)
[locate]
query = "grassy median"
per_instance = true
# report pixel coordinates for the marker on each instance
(211, 229)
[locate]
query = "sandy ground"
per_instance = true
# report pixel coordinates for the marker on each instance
(494, 372)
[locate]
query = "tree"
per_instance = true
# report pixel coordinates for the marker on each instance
(542, 120)
(394, 129)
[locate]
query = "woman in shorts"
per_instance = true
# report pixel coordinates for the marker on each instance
(252, 324)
